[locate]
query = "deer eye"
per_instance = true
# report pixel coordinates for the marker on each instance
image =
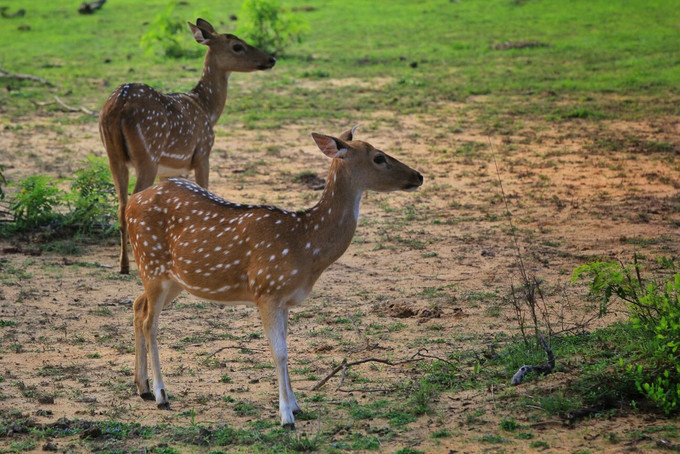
(238, 48)
(379, 159)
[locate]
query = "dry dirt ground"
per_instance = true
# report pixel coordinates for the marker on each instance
(426, 270)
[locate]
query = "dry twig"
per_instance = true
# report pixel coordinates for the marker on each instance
(30, 77)
(418, 356)
(72, 109)
(237, 347)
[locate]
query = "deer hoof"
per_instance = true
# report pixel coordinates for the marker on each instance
(290, 426)
(164, 406)
(147, 396)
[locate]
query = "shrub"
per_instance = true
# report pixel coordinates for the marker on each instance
(167, 35)
(655, 316)
(89, 207)
(264, 25)
(35, 203)
(92, 197)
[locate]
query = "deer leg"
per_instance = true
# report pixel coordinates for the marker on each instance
(274, 322)
(202, 172)
(145, 178)
(120, 174)
(294, 405)
(141, 311)
(159, 294)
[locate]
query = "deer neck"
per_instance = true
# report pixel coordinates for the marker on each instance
(331, 223)
(211, 90)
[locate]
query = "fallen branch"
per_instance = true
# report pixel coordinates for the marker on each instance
(543, 369)
(235, 347)
(421, 354)
(345, 365)
(369, 390)
(18, 13)
(72, 109)
(6, 75)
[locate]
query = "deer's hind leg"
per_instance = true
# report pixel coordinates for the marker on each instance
(120, 174)
(147, 309)
(141, 309)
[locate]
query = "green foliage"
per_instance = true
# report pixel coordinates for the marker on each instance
(606, 280)
(655, 318)
(267, 27)
(88, 208)
(35, 203)
(167, 35)
(629, 53)
(92, 197)
(509, 425)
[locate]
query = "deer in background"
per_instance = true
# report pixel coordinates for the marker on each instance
(186, 238)
(167, 135)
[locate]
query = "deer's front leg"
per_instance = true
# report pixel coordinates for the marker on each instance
(295, 407)
(274, 322)
(141, 369)
(202, 169)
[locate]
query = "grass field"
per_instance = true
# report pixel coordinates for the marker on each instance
(573, 106)
(611, 49)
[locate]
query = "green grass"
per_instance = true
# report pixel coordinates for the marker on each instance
(588, 49)
(597, 59)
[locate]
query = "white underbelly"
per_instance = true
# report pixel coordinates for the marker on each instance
(232, 303)
(168, 172)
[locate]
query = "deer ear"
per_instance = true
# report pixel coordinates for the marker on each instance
(205, 25)
(201, 34)
(349, 134)
(331, 147)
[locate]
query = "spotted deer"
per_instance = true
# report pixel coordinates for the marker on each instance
(186, 238)
(169, 134)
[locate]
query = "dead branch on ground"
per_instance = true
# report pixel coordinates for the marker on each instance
(72, 109)
(18, 13)
(344, 366)
(237, 347)
(18, 76)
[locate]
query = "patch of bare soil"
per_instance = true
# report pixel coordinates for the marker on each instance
(426, 270)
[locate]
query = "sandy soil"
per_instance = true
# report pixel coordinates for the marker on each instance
(425, 270)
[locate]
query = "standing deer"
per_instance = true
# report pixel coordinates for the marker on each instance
(169, 134)
(186, 238)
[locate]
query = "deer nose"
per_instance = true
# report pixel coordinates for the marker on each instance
(272, 61)
(419, 177)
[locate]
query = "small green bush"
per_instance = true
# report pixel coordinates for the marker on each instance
(266, 26)
(655, 317)
(88, 208)
(35, 203)
(92, 198)
(167, 35)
